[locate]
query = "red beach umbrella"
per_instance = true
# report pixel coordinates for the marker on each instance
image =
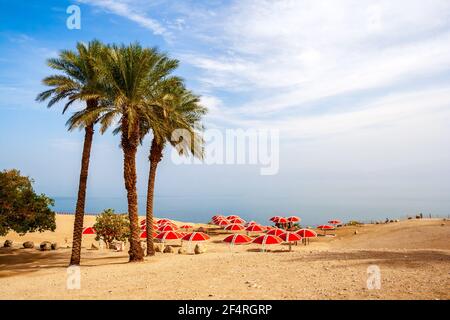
(142, 222)
(186, 227)
(267, 240)
(168, 235)
(196, 236)
(223, 223)
(234, 227)
(276, 232)
(232, 217)
(237, 221)
(306, 234)
(167, 227)
(254, 228)
(326, 227)
(162, 221)
(144, 234)
(89, 230)
(281, 220)
(251, 223)
(294, 219)
(274, 218)
(216, 221)
(335, 221)
(233, 239)
(290, 237)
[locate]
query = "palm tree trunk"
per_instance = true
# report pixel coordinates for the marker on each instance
(81, 200)
(130, 141)
(155, 157)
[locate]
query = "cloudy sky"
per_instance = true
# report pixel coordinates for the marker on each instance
(360, 91)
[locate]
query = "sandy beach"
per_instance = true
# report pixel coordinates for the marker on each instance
(413, 257)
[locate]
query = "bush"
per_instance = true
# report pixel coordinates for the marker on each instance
(21, 209)
(110, 227)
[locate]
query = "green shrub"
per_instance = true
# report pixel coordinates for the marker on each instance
(21, 209)
(110, 227)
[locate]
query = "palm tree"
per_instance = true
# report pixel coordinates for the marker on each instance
(133, 75)
(177, 109)
(78, 82)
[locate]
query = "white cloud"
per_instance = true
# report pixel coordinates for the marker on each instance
(125, 9)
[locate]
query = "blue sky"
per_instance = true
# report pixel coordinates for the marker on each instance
(360, 91)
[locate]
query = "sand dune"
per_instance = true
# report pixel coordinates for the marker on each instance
(413, 257)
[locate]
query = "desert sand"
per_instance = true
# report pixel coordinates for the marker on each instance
(413, 257)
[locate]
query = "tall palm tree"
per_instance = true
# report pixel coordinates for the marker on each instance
(78, 82)
(133, 75)
(177, 108)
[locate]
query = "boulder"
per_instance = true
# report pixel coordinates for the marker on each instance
(182, 251)
(116, 245)
(168, 249)
(94, 246)
(199, 249)
(54, 246)
(8, 244)
(45, 246)
(28, 244)
(201, 229)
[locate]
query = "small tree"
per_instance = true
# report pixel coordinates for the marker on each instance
(110, 226)
(21, 209)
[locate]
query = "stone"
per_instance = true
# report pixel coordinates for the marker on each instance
(28, 244)
(182, 251)
(54, 246)
(8, 244)
(168, 249)
(199, 249)
(118, 246)
(94, 246)
(356, 232)
(201, 229)
(45, 246)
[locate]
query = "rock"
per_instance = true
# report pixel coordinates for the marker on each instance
(54, 246)
(356, 232)
(118, 246)
(168, 249)
(199, 249)
(182, 251)
(28, 244)
(201, 229)
(94, 246)
(8, 244)
(442, 224)
(158, 247)
(45, 246)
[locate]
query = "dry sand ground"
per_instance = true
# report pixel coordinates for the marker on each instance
(413, 256)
